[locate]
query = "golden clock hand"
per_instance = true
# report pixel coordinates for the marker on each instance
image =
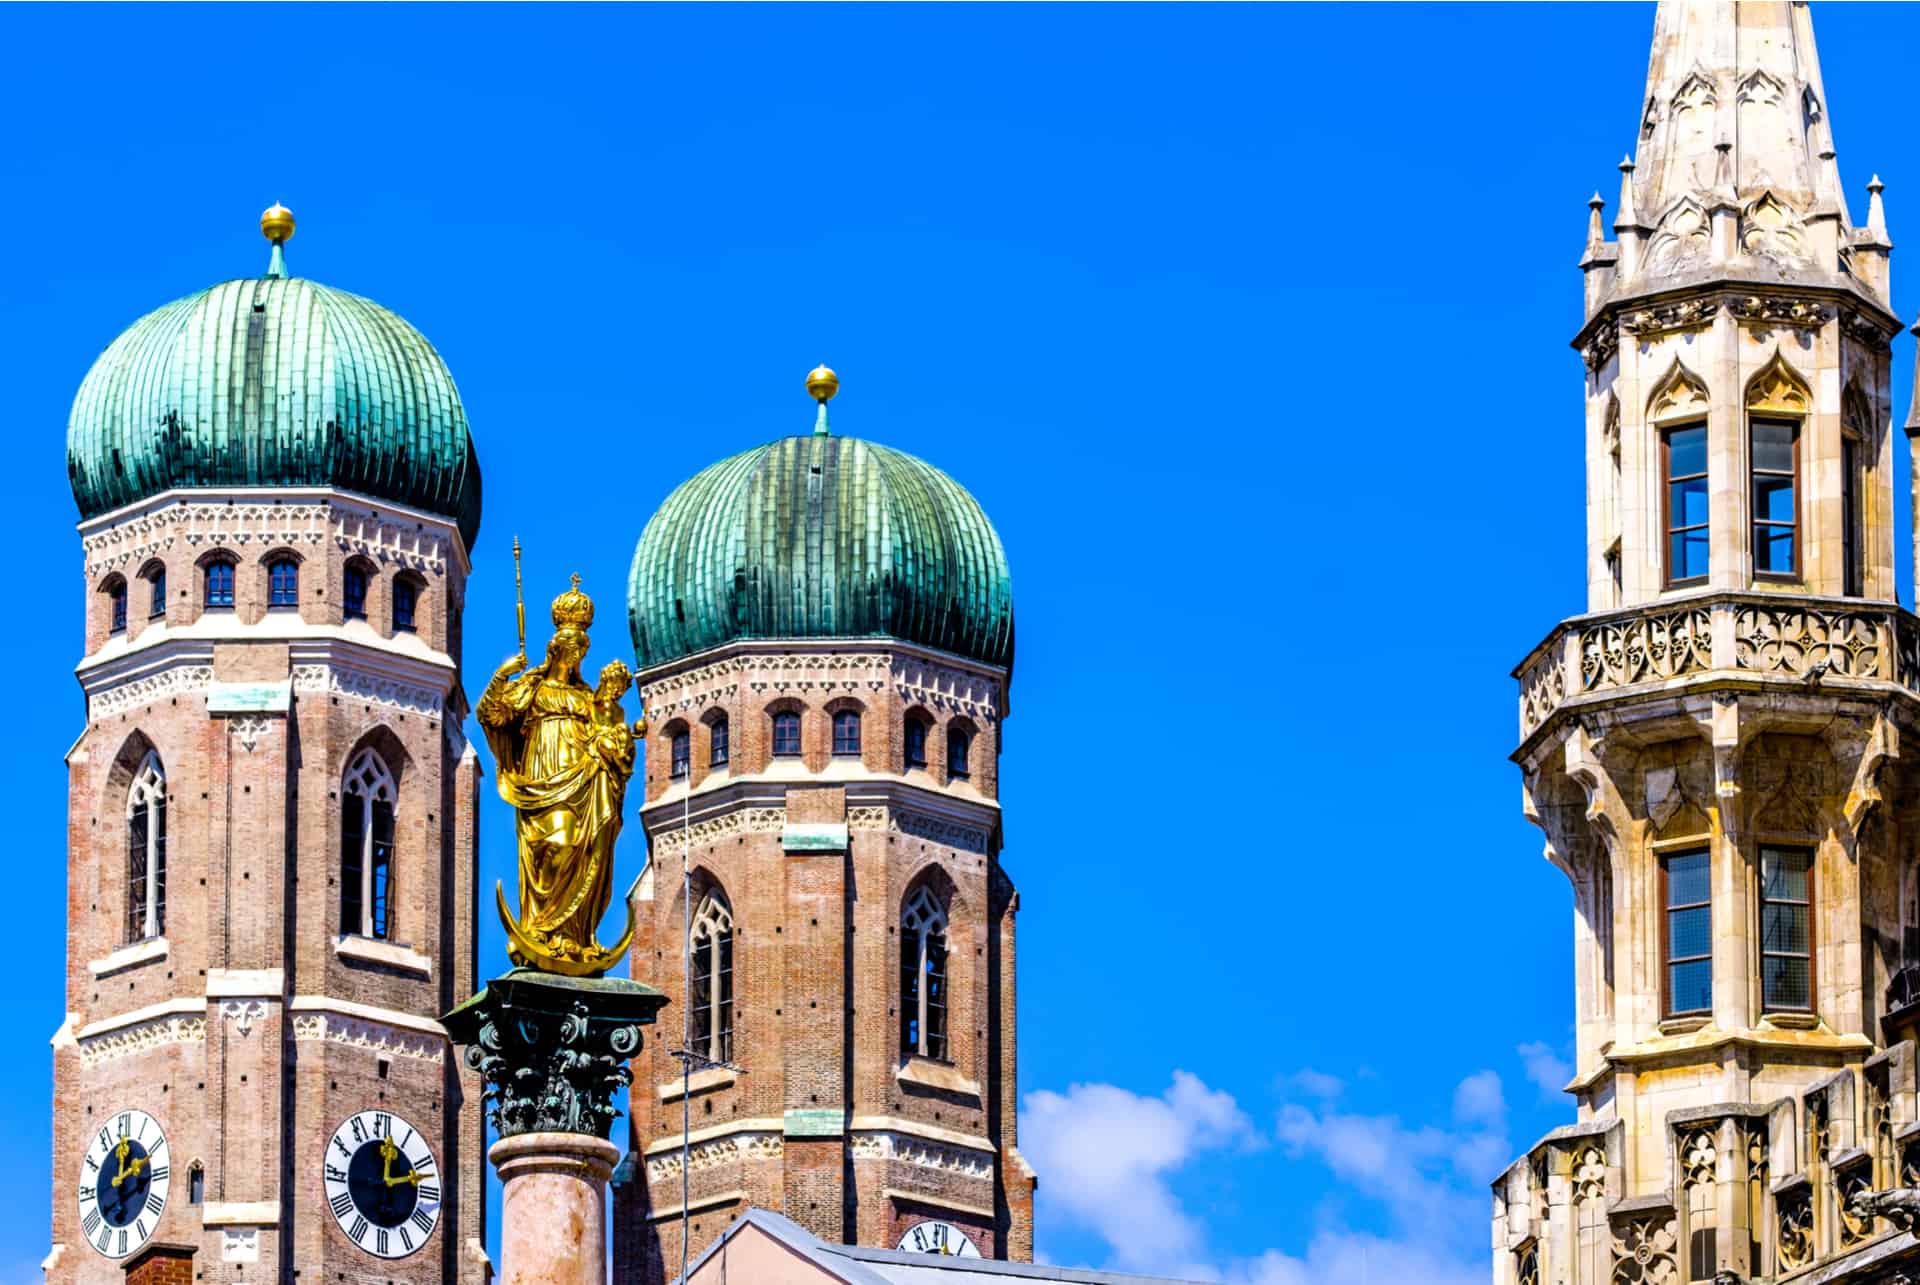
(387, 1150)
(120, 1156)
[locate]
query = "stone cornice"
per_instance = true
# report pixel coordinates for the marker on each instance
(894, 804)
(1757, 298)
(823, 668)
(266, 517)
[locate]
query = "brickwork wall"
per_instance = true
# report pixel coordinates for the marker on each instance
(254, 1032)
(817, 962)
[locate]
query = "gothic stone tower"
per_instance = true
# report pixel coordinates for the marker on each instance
(824, 636)
(272, 810)
(1715, 750)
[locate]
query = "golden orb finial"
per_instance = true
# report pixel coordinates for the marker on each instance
(276, 223)
(822, 384)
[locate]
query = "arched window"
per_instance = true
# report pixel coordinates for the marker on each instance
(846, 732)
(923, 977)
(406, 598)
(366, 848)
(196, 1184)
(916, 740)
(959, 744)
(283, 583)
(219, 584)
(681, 743)
(147, 851)
(117, 607)
(353, 592)
(786, 734)
(157, 586)
(710, 979)
(718, 751)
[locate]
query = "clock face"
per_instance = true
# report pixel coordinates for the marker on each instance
(933, 1237)
(382, 1184)
(124, 1177)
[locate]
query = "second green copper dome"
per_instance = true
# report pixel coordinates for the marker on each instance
(820, 537)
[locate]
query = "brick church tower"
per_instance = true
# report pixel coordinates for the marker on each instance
(1716, 749)
(824, 636)
(271, 841)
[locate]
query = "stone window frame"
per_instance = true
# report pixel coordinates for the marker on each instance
(369, 577)
(114, 588)
(154, 573)
(1667, 529)
(1691, 848)
(921, 718)
(1811, 851)
(270, 562)
(147, 850)
(367, 777)
(207, 562)
(782, 709)
(836, 710)
(968, 733)
(1777, 394)
(719, 732)
(677, 736)
(924, 914)
(413, 580)
(712, 929)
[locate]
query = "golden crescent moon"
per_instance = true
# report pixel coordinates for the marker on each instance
(600, 961)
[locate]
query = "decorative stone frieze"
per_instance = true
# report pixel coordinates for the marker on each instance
(422, 542)
(752, 1145)
(967, 1162)
(374, 1037)
(178, 680)
(111, 1045)
(714, 829)
(376, 688)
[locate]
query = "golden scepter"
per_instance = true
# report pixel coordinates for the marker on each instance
(519, 603)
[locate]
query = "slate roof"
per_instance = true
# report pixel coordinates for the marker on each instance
(859, 1266)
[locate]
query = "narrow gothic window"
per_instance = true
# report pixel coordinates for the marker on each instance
(283, 583)
(196, 1184)
(366, 848)
(219, 584)
(959, 742)
(916, 740)
(717, 750)
(1684, 460)
(117, 607)
(1775, 466)
(710, 979)
(682, 754)
(158, 604)
(354, 593)
(1688, 940)
(923, 977)
(406, 596)
(1786, 928)
(846, 732)
(1851, 578)
(786, 734)
(147, 851)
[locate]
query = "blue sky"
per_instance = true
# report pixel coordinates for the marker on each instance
(1247, 325)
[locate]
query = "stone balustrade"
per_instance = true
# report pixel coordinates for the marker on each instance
(1752, 635)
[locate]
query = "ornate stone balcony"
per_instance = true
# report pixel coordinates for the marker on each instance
(1752, 637)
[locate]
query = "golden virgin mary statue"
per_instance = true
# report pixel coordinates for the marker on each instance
(564, 753)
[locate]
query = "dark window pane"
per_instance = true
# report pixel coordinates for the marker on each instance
(1773, 549)
(159, 606)
(353, 855)
(405, 597)
(1688, 879)
(118, 605)
(1690, 932)
(1686, 452)
(1784, 983)
(1687, 504)
(381, 872)
(1772, 446)
(283, 584)
(958, 743)
(1691, 986)
(846, 733)
(1783, 929)
(355, 593)
(681, 754)
(1772, 499)
(916, 743)
(1688, 555)
(219, 584)
(1784, 874)
(718, 752)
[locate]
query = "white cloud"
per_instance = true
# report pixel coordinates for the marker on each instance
(1107, 1155)
(1547, 1069)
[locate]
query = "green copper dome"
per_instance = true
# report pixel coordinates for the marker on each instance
(273, 381)
(820, 537)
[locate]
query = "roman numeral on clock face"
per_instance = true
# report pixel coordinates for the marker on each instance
(382, 1125)
(90, 1223)
(405, 1240)
(358, 1230)
(429, 1193)
(421, 1220)
(155, 1204)
(161, 1173)
(336, 1174)
(380, 1242)
(342, 1205)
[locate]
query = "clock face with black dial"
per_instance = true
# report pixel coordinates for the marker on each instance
(382, 1184)
(124, 1177)
(935, 1237)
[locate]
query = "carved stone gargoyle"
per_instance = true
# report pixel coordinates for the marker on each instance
(1898, 1205)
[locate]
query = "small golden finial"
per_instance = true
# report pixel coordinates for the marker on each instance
(822, 384)
(276, 223)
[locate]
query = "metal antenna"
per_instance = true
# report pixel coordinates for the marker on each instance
(686, 1053)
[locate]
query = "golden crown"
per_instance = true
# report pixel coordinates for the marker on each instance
(573, 608)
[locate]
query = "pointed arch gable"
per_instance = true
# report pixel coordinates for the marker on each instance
(1779, 388)
(1679, 394)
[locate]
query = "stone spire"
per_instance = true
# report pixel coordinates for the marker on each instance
(1735, 164)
